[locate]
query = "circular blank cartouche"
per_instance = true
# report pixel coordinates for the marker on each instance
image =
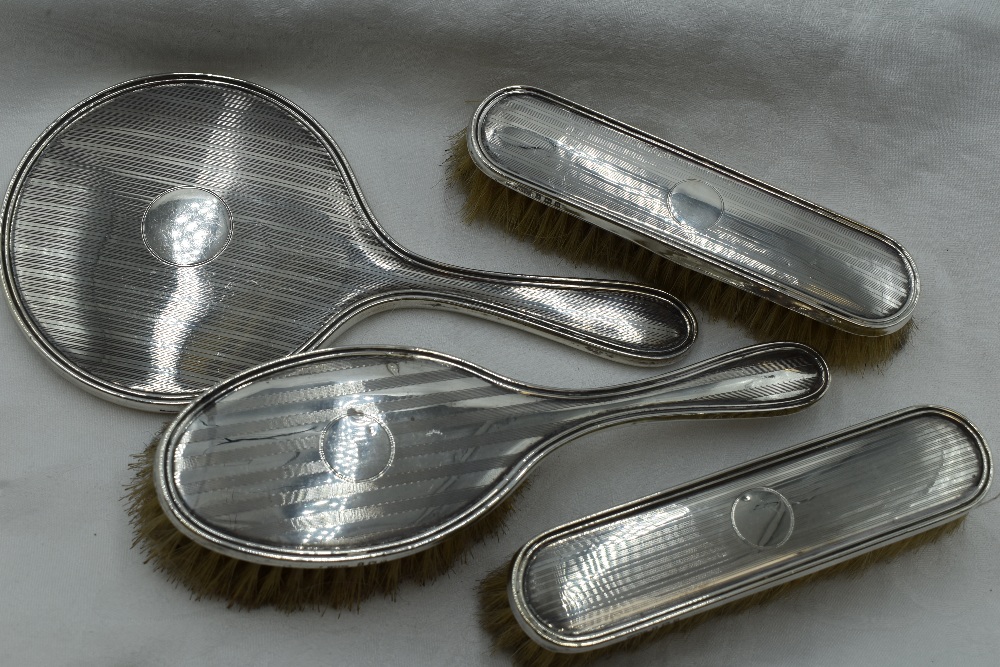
(357, 447)
(695, 203)
(763, 517)
(187, 226)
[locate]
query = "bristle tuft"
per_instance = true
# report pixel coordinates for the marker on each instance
(555, 231)
(244, 585)
(507, 636)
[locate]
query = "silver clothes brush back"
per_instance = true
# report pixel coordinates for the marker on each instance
(608, 577)
(693, 211)
(174, 230)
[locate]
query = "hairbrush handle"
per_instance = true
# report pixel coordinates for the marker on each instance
(759, 379)
(625, 322)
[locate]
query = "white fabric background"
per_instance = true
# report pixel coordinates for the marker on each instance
(884, 111)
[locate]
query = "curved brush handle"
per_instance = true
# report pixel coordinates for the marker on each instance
(625, 322)
(758, 379)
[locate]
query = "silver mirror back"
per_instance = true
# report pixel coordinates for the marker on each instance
(172, 231)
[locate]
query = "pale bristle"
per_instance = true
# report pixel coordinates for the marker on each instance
(498, 620)
(582, 243)
(245, 585)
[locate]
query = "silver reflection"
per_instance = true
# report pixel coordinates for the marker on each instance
(172, 327)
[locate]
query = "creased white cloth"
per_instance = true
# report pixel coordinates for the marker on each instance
(888, 112)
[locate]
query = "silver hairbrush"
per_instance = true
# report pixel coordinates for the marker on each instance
(363, 455)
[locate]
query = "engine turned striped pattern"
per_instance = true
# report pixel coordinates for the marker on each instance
(346, 454)
(305, 256)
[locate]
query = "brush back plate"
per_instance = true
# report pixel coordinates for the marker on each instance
(608, 577)
(695, 212)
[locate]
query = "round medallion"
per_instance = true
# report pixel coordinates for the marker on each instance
(187, 226)
(695, 203)
(357, 447)
(763, 517)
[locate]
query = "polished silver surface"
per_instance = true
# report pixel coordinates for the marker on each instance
(187, 226)
(763, 517)
(695, 212)
(606, 578)
(174, 230)
(350, 456)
